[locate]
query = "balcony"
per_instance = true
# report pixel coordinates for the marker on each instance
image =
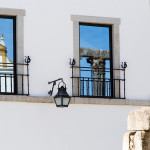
(14, 78)
(98, 82)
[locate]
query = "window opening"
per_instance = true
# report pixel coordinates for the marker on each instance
(96, 70)
(95, 54)
(8, 54)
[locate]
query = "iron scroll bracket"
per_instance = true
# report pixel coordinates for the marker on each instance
(54, 83)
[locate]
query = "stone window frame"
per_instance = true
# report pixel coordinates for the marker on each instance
(115, 23)
(19, 14)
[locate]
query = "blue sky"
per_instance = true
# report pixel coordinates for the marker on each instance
(6, 28)
(94, 37)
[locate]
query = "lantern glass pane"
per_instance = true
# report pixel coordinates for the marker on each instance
(58, 101)
(66, 100)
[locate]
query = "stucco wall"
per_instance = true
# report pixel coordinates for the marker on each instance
(36, 126)
(49, 39)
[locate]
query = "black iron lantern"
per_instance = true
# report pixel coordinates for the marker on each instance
(62, 98)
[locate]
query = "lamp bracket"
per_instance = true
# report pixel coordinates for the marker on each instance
(54, 83)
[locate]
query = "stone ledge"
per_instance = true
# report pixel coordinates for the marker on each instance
(75, 100)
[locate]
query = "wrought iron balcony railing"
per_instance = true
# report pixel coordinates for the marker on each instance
(14, 78)
(98, 82)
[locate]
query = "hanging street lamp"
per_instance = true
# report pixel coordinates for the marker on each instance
(62, 98)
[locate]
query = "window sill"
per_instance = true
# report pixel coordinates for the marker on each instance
(75, 100)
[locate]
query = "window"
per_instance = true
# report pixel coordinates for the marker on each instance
(97, 54)
(11, 51)
(95, 60)
(7, 54)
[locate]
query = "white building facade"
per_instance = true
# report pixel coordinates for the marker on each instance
(48, 32)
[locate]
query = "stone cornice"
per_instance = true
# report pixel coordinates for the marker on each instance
(76, 100)
(12, 12)
(95, 19)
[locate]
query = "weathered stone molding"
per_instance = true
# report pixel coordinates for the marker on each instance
(88, 52)
(75, 100)
(139, 124)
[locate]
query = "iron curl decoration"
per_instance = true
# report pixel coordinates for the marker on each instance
(124, 65)
(72, 62)
(27, 59)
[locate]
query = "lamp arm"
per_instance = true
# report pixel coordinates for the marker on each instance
(54, 83)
